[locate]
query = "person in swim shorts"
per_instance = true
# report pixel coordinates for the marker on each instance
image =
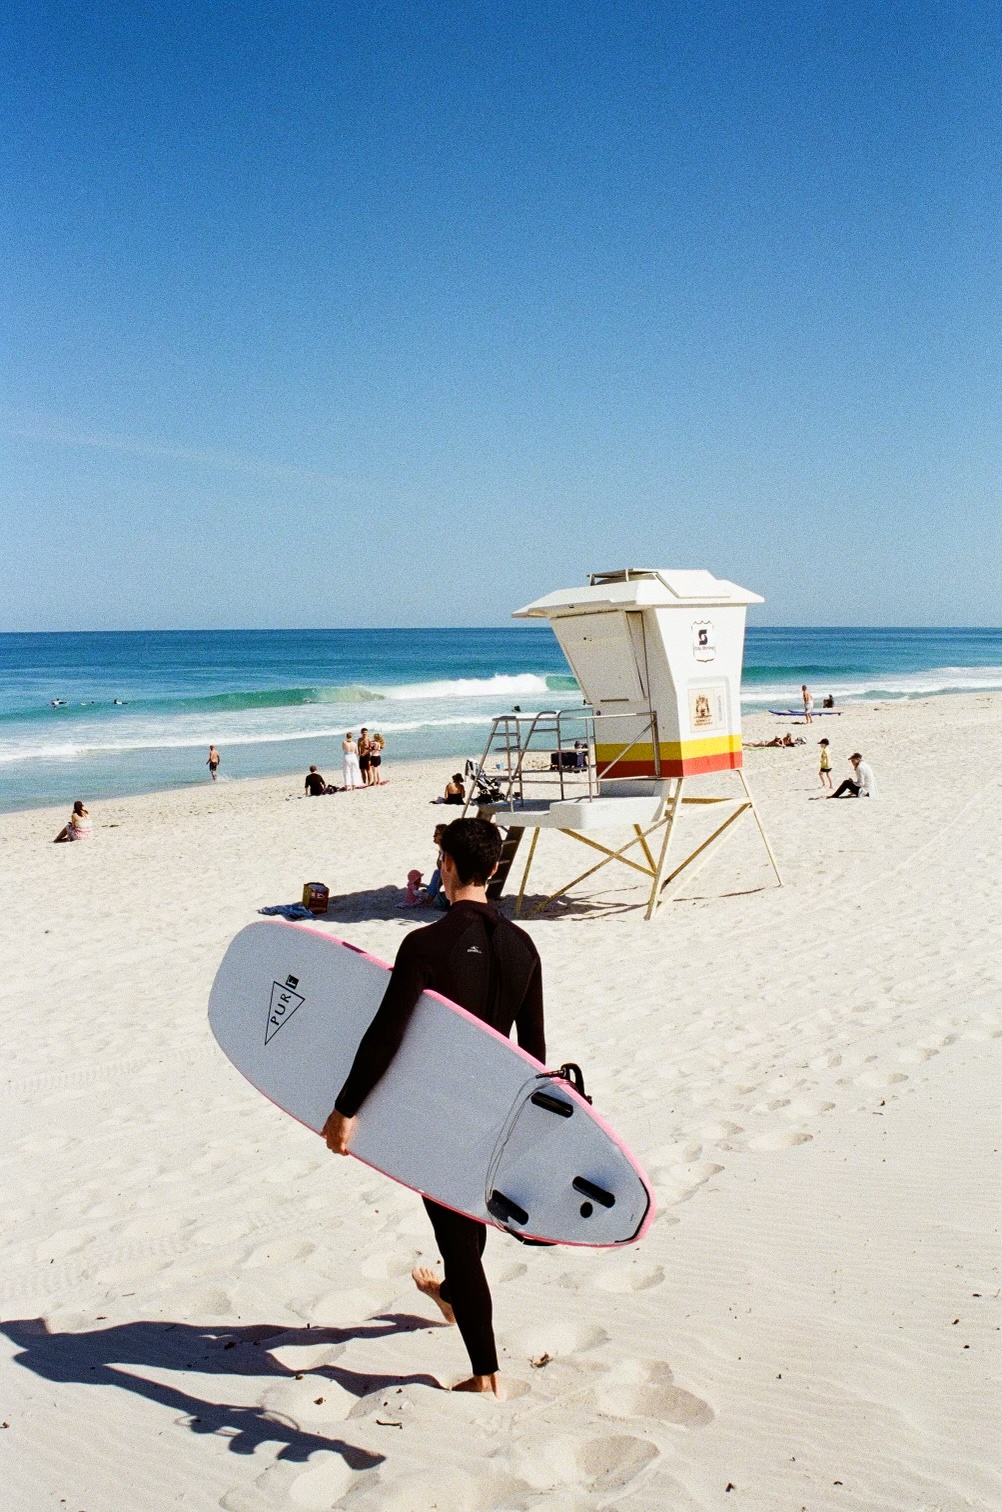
(213, 762)
(478, 959)
(825, 769)
(376, 779)
(364, 755)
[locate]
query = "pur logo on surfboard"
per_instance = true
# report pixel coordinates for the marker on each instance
(283, 1004)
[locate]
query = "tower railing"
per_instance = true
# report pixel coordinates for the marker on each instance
(567, 737)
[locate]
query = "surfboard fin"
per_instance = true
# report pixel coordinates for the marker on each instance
(501, 1207)
(558, 1105)
(596, 1193)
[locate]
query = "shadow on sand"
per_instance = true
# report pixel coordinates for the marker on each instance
(109, 1357)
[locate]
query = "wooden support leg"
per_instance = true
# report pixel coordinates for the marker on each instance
(609, 855)
(761, 827)
(674, 804)
(641, 836)
(702, 852)
(525, 874)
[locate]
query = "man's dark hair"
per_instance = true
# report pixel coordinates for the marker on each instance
(475, 847)
(855, 756)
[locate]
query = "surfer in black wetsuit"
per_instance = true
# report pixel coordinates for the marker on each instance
(491, 968)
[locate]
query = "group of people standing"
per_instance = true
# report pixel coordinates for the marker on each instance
(361, 760)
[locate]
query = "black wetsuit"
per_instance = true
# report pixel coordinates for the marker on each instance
(491, 968)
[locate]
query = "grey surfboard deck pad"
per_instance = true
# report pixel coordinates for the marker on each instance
(462, 1116)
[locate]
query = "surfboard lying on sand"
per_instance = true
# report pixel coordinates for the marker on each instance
(462, 1115)
(799, 713)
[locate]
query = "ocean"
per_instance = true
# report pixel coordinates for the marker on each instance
(99, 715)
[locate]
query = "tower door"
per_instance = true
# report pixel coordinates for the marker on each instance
(600, 648)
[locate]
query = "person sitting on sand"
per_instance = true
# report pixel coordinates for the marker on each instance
(455, 789)
(80, 826)
(434, 894)
(413, 893)
(315, 785)
(861, 784)
(449, 957)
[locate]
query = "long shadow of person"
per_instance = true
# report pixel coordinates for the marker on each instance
(102, 1357)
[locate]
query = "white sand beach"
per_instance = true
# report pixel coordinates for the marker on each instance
(202, 1308)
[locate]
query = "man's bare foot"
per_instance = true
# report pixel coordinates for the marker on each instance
(488, 1383)
(426, 1281)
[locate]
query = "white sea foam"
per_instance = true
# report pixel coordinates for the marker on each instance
(75, 750)
(878, 687)
(501, 685)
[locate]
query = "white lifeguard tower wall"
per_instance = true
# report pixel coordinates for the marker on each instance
(665, 642)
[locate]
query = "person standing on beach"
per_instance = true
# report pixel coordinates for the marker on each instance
(350, 771)
(213, 762)
(478, 959)
(808, 698)
(364, 754)
(376, 760)
(825, 770)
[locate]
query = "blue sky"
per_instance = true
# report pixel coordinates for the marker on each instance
(390, 313)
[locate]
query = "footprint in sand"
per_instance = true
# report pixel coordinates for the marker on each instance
(320, 1487)
(936, 1041)
(553, 1339)
(779, 1140)
(646, 1388)
(383, 1268)
(221, 1233)
(278, 1252)
(444, 1489)
(337, 1309)
(511, 1272)
(629, 1278)
(602, 1464)
(681, 1181)
(683, 1153)
(609, 1464)
(309, 1402)
(877, 1078)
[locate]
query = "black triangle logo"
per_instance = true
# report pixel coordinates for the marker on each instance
(282, 1006)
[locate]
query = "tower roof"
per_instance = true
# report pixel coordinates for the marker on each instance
(640, 587)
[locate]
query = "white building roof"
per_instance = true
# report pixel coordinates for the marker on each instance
(640, 587)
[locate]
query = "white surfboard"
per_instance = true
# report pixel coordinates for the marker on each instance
(462, 1115)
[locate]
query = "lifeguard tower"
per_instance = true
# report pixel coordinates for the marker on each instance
(657, 654)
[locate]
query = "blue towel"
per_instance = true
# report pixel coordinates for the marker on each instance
(288, 911)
